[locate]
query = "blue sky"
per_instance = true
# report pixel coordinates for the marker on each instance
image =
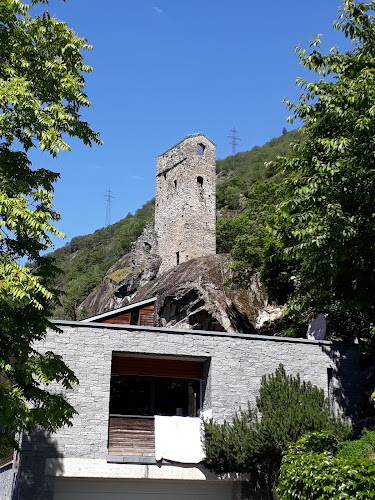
(164, 69)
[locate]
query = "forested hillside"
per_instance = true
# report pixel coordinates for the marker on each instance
(85, 259)
(249, 168)
(245, 194)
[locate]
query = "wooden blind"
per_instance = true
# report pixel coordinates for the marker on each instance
(143, 317)
(146, 316)
(121, 319)
(154, 367)
(131, 436)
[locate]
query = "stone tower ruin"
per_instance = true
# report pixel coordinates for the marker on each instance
(185, 205)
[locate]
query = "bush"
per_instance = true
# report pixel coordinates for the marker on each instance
(309, 470)
(289, 408)
(359, 449)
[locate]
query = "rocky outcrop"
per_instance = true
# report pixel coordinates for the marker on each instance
(144, 253)
(191, 295)
(103, 298)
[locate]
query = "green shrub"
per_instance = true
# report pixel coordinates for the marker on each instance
(359, 449)
(309, 470)
(289, 408)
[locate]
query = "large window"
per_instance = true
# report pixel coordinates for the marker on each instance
(147, 386)
(143, 386)
(148, 396)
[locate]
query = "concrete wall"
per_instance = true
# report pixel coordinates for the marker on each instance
(185, 209)
(235, 363)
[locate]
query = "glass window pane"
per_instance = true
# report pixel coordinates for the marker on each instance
(138, 395)
(130, 395)
(176, 397)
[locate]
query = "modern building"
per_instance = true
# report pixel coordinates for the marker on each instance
(138, 433)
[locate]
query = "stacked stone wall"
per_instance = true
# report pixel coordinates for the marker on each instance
(145, 249)
(185, 207)
(6, 482)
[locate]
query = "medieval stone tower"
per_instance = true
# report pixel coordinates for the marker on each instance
(185, 205)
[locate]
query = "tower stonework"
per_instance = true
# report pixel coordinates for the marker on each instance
(185, 205)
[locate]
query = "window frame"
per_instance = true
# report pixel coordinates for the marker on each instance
(153, 395)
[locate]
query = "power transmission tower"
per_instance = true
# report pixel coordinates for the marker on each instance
(234, 141)
(109, 197)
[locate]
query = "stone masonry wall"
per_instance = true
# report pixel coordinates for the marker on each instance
(6, 480)
(185, 216)
(235, 364)
(144, 249)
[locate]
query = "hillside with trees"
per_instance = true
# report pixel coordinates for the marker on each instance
(85, 260)
(303, 217)
(247, 188)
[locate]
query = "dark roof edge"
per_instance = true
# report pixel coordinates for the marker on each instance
(182, 140)
(181, 331)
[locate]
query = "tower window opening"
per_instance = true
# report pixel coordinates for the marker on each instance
(200, 149)
(178, 258)
(175, 183)
(200, 180)
(165, 176)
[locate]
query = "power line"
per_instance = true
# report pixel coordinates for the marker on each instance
(109, 197)
(234, 141)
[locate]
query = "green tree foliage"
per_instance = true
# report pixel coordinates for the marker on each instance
(311, 470)
(41, 94)
(359, 449)
(326, 222)
(245, 235)
(249, 169)
(289, 408)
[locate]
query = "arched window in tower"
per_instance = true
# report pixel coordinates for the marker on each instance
(200, 180)
(175, 183)
(200, 149)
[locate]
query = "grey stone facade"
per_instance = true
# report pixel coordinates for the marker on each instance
(185, 207)
(234, 366)
(6, 482)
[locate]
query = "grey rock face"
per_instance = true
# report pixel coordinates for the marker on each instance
(144, 253)
(191, 296)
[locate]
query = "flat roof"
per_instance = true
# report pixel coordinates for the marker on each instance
(181, 331)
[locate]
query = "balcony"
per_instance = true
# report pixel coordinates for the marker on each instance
(172, 438)
(153, 408)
